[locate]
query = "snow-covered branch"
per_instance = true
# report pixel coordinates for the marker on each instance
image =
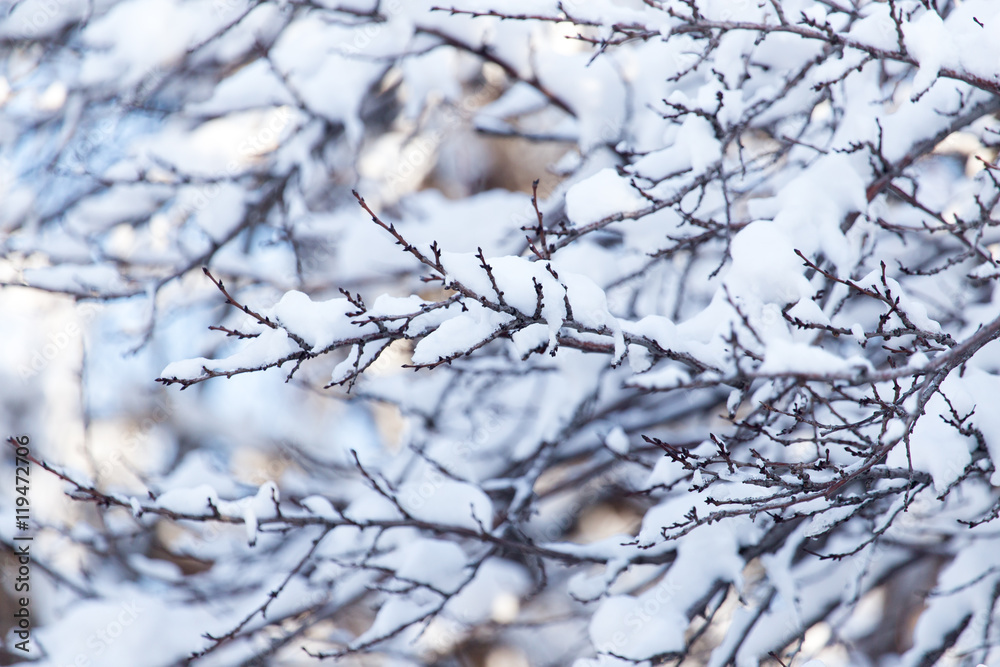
(612, 333)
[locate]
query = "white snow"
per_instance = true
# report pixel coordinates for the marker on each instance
(954, 598)
(930, 43)
(262, 505)
(734, 400)
(255, 85)
(876, 27)
(334, 100)
(495, 582)
(189, 501)
(808, 359)
(40, 18)
(517, 100)
(199, 500)
(669, 376)
(602, 195)
(858, 331)
(270, 346)
(87, 278)
(437, 499)
(398, 611)
(436, 563)
(617, 441)
(765, 265)
(530, 338)
(460, 333)
(585, 587)
(136, 38)
(593, 89)
(936, 447)
(695, 148)
(113, 632)
(809, 312)
(914, 310)
(321, 507)
(638, 627)
(225, 146)
(318, 323)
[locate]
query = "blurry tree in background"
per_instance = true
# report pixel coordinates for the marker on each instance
(589, 332)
